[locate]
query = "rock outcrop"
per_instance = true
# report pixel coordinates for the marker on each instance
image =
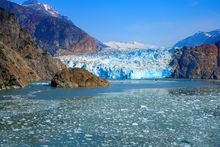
(201, 62)
(56, 35)
(73, 78)
(21, 61)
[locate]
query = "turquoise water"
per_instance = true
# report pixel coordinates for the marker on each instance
(129, 113)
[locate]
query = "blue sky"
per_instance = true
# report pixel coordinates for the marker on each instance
(160, 22)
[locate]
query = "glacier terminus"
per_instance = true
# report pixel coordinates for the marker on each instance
(121, 63)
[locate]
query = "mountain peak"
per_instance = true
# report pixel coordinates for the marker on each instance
(200, 38)
(44, 8)
(56, 35)
(199, 32)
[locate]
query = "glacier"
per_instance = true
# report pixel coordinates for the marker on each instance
(118, 63)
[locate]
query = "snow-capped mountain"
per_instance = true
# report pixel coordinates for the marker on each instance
(128, 46)
(124, 64)
(56, 35)
(44, 8)
(200, 38)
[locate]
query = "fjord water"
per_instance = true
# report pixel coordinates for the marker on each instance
(132, 113)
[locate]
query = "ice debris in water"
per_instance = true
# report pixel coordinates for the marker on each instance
(138, 117)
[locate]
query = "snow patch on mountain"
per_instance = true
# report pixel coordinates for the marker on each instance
(44, 8)
(128, 46)
(124, 64)
(50, 10)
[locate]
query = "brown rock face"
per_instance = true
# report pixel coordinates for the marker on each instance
(73, 78)
(14, 71)
(200, 62)
(21, 60)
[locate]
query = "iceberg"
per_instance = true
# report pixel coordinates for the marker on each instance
(118, 63)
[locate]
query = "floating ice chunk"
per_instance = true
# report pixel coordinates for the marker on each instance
(41, 83)
(145, 120)
(143, 107)
(88, 135)
(6, 117)
(16, 130)
(160, 112)
(9, 122)
(48, 121)
(135, 124)
(124, 109)
(31, 132)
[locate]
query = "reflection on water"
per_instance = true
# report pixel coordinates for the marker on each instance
(139, 113)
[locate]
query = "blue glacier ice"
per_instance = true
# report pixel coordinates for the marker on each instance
(124, 64)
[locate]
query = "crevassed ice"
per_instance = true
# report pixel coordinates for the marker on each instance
(124, 64)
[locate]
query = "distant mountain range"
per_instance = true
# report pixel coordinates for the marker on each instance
(128, 46)
(52, 32)
(200, 38)
(197, 39)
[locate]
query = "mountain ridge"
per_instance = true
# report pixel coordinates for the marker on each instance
(54, 34)
(44, 8)
(200, 38)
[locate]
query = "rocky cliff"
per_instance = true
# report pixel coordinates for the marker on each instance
(201, 62)
(73, 78)
(57, 35)
(21, 60)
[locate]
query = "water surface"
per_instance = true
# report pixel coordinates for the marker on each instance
(132, 113)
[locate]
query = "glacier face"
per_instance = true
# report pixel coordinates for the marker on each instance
(124, 64)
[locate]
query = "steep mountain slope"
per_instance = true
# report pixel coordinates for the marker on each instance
(21, 60)
(201, 62)
(57, 35)
(200, 38)
(13, 69)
